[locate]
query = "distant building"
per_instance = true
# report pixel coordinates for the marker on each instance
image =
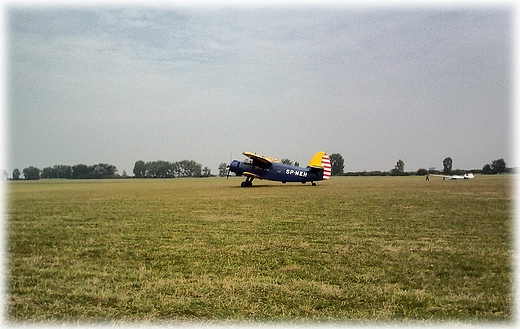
(431, 169)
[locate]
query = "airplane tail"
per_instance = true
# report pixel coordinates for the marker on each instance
(321, 160)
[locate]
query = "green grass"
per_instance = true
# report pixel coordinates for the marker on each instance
(380, 249)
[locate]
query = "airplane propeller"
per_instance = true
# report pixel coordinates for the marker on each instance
(229, 166)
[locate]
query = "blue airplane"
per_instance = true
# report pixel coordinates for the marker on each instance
(262, 167)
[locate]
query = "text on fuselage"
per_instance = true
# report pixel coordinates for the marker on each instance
(296, 172)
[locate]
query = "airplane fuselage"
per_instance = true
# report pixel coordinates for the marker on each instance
(465, 177)
(277, 172)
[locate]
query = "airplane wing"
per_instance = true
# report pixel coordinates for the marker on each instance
(450, 177)
(250, 174)
(260, 158)
(443, 176)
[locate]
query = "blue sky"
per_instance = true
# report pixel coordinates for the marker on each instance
(121, 83)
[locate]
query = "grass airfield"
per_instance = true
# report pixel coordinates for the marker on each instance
(352, 249)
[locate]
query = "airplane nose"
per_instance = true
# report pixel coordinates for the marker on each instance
(233, 167)
(230, 166)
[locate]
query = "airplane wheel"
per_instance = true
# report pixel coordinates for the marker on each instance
(313, 184)
(244, 184)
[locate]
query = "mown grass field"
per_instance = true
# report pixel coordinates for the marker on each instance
(367, 250)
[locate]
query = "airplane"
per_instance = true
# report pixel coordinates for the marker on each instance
(465, 177)
(263, 167)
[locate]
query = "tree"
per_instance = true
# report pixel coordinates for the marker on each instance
(151, 169)
(47, 172)
(111, 170)
(187, 168)
(447, 164)
(163, 169)
(62, 171)
(337, 164)
(206, 172)
(139, 169)
(79, 171)
(422, 172)
(58, 171)
(31, 173)
(222, 169)
(487, 169)
(158, 169)
(399, 168)
(499, 166)
(16, 174)
(97, 172)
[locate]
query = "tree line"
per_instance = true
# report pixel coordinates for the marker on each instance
(497, 166)
(190, 168)
(79, 171)
(152, 169)
(166, 169)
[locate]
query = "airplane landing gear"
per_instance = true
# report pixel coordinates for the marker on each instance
(248, 182)
(313, 184)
